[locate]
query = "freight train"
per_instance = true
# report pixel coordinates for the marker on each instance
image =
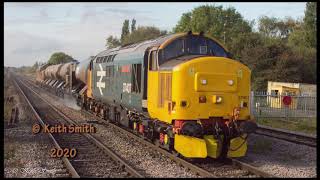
(183, 92)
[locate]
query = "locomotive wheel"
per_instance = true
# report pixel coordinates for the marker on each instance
(124, 120)
(83, 102)
(114, 115)
(107, 114)
(156, 142)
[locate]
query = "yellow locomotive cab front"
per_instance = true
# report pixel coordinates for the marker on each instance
(204, 89)
(202, 95)
(210, 87)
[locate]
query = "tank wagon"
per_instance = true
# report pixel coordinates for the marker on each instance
(59, 77)
(182, 91)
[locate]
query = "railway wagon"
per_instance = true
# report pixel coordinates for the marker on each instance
(182, 91)
(59, 77)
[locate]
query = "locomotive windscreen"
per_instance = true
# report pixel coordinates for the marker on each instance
(191, 45)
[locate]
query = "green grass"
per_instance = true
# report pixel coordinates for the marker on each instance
(304, 125)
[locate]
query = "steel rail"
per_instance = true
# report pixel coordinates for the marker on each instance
(251, 168)
(295, 137)
(184, 163)
(113, 155)
(65, 160)
(197, 170)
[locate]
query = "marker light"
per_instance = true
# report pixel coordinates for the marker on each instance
(230, 82)
(183, 103)
(204, 81)
(202, 99)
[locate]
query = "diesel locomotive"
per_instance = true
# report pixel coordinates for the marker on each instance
(184, 92)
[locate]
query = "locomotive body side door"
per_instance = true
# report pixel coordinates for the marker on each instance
(145, 80)
(158, 88)
(152, 81)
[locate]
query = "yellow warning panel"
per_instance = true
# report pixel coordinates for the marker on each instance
(213, 146)
(190, 146)
(238, 147)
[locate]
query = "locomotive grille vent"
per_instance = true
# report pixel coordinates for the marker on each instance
(165, 86)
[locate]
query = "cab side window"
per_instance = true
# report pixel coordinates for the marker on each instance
(91, 65)
(153, 61)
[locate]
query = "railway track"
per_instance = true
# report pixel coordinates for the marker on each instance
(207, 169)
(93, 159)
(294, 137)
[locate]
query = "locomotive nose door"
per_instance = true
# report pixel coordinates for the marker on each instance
(145, 73)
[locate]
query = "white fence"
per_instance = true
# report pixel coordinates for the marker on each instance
(268, 105)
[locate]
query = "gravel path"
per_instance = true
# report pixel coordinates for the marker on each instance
(281, 158)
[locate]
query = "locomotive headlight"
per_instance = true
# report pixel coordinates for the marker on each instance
(219, 99)
(216, 99)
(230, 82)
(203, 81)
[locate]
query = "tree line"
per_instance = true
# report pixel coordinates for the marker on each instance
(133, 34)
(279, 50)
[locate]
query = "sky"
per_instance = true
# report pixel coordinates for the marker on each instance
(33, 31)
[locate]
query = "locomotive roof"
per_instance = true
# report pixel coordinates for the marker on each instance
(138, 49)
(141, 46)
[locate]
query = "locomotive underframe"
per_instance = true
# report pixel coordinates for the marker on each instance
(163, 134)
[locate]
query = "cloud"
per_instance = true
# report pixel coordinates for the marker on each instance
(88, 14)
(125, 11)
(34, 34)
(43, 13)
(34, 31)
(99, 13)
(24, 49)
(41, 17)
(68, 13)
(24, 5)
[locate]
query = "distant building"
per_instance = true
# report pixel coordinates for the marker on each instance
(293, 89)
(277, 90)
